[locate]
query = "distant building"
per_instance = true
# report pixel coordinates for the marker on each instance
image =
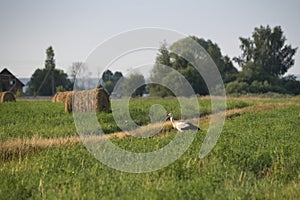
(8, 82)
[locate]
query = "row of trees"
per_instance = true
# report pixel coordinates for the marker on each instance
(264, 60)
(124, 85)
(49, 80)
(166, 60)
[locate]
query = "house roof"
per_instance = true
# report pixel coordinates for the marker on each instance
(6, 71)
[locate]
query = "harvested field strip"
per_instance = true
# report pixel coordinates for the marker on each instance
(18, 148)
(204, 121)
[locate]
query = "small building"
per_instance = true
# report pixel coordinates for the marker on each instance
(8, 82)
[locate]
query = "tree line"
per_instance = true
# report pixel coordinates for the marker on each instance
(265, 58)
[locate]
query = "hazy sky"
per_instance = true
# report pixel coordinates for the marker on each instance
(75, 28)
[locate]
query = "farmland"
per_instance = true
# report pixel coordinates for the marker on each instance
(256, 156)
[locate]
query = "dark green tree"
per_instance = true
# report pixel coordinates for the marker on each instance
(265, 59)
(168, 58)
(116, 77)
(45, 81)
(107, 75)
(291, 84)
(50, 65)
(110, 79)
(109, 86)
(267, 51)
(35, 86)
(50, 61)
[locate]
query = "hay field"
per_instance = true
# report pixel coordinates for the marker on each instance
(256, 157)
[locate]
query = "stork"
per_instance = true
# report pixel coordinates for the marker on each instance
(181, 125)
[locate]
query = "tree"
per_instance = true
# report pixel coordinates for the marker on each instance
(291, 84)
(116, 77)
(110, 79)
(50, 61)
(50, 65)
(107, 75)
(40, 75)
(236, 87)
(109, 86)
(75, 69)
(133, 81)
(46, 81)
(191, 74)
(223, 63)
(160, 70)
(265, 59)
(178, 84)
(267, 50)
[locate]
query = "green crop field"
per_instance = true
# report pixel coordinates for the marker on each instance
(256, 157)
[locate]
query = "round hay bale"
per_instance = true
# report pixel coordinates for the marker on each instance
(88, 100)
(7, 96)
(68, 102)
(54, 97)
(60, 96)
(102, 102)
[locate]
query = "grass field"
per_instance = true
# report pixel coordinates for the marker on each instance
(256, 156)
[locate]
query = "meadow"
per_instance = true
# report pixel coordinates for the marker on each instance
(256, 156)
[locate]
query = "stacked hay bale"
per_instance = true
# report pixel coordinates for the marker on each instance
(7, 96)
(87, 100)
(60, 96)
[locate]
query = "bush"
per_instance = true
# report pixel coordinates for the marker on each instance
(237, 87)
(291, 84)
(259, 87)
(19, 93)
(60, 88)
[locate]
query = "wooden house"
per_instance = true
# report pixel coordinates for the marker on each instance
(8, 82)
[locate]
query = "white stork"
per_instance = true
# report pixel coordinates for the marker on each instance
(181, 125)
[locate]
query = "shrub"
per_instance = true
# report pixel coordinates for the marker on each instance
(259, 87)
(237, 87)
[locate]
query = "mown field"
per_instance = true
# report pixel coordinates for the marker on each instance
(256, 156)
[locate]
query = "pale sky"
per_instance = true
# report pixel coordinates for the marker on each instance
(75, 28)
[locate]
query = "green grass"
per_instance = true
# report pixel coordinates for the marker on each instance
(46, 119)
(39, 118)
(256, 157)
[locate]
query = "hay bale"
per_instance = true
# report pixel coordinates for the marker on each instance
(87, 101)
(102, 100)
(68, 102)
(54, 98)
(7, 96)
(60, 96)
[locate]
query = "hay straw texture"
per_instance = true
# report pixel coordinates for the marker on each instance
(7, 96)
(87, 100)
(68, 102)
(60, 96)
